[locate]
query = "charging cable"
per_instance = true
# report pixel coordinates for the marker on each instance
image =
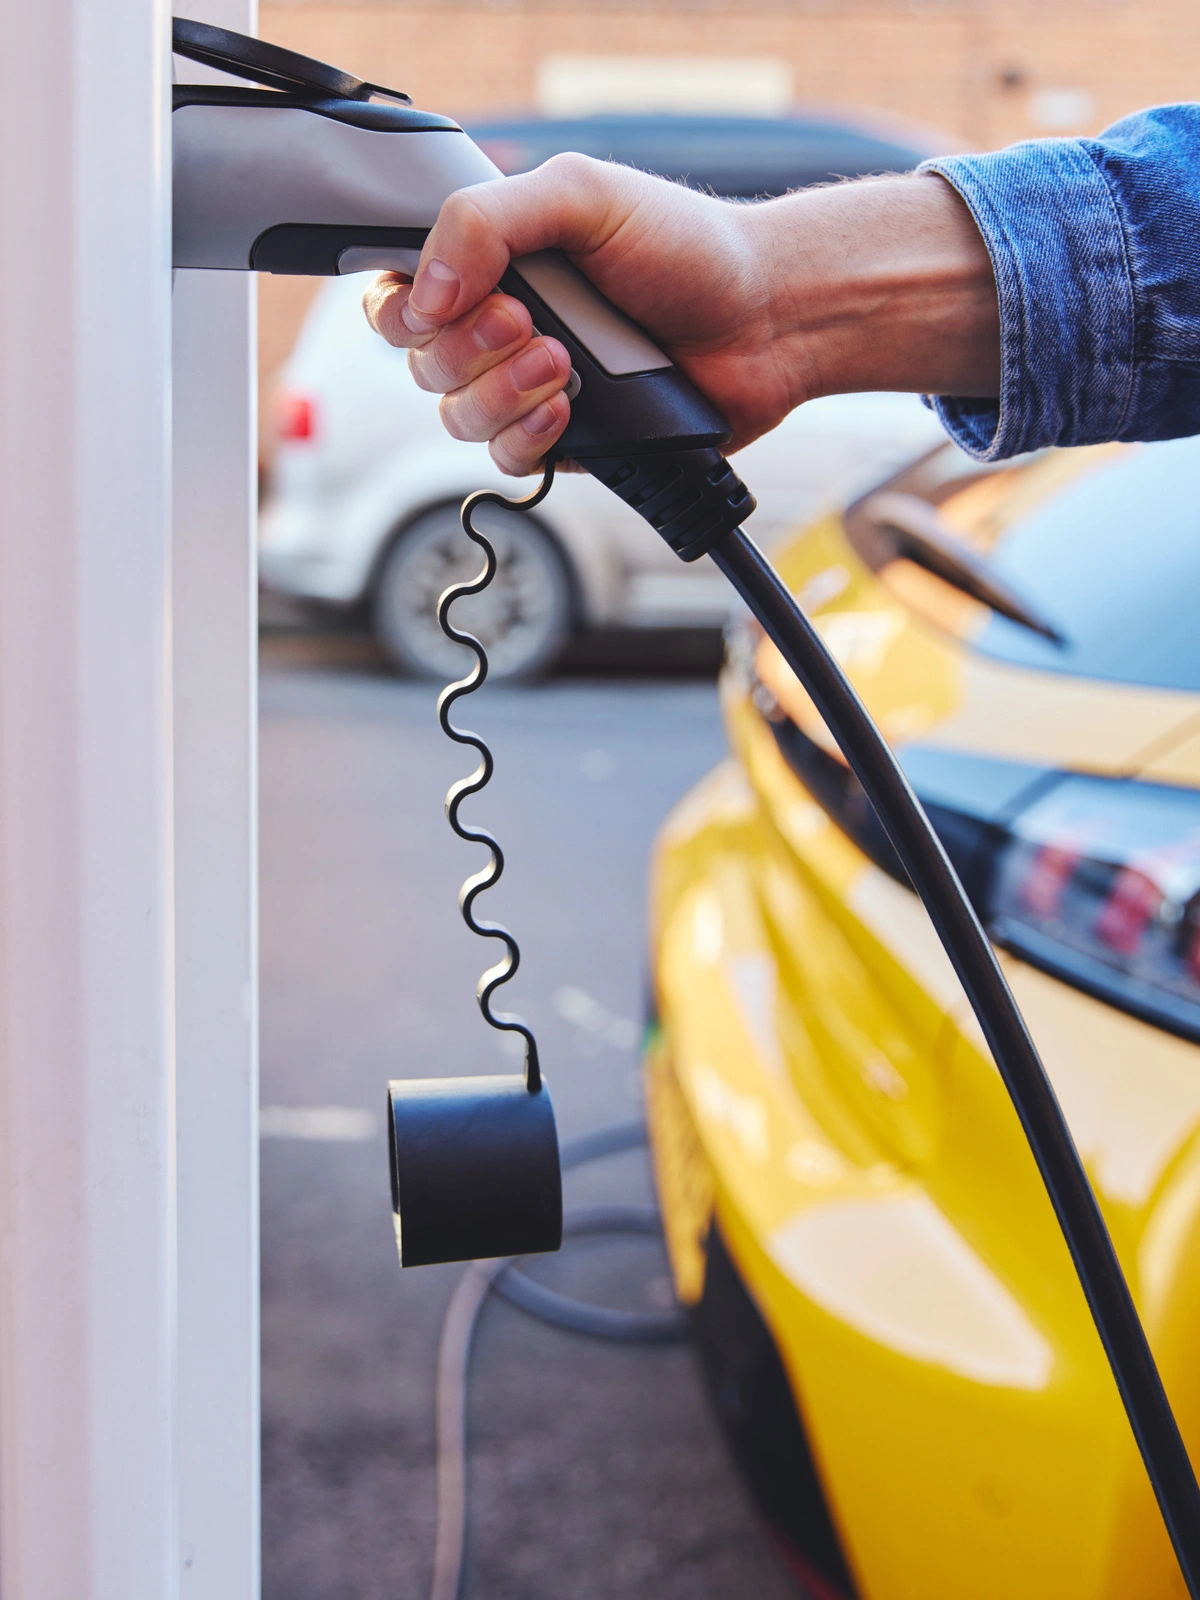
(873, 763)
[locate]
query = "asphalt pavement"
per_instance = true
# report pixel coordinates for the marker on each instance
(596, 1470)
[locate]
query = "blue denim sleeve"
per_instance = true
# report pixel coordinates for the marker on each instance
(1095, 245)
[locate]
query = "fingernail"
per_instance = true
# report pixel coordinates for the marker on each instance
(435, 289)
(540, 420)
(533, 368)
(410, 319)
(494, 329)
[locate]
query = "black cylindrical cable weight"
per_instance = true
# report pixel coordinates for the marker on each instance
(920, 850)
(475, 1169)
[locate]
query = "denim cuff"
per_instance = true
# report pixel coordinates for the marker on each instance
(1058, 250)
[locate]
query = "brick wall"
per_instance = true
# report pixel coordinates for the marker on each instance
(986, 71)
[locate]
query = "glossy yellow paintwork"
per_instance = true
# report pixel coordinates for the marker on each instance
(817, 1082)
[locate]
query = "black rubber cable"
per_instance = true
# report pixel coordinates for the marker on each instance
(920, 850)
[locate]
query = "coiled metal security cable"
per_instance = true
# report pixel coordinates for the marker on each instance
(488, 876)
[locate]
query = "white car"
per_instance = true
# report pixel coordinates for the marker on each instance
(366, 489)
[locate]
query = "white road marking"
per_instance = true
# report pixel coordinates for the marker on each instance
(597, 765)
(323, 1124)
(594, 1018)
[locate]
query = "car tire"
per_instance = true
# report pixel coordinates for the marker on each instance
(523, 619)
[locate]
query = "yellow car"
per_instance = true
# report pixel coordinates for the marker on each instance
(892, 1329)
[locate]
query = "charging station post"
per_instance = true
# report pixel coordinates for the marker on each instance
(214, 682)
(128, 1260)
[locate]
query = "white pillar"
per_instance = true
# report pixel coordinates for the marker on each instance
(87, 1138)
(216, 939)
(215, 620)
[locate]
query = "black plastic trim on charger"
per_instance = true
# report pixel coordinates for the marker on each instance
(757, 1410)
(692, 498)
(245, 56)
(377, 116)
(313, 249)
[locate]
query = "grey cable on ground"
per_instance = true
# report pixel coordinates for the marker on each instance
(454, 1360)
(576, 1316)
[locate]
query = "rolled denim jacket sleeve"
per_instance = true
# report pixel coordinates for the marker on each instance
(1095, 244)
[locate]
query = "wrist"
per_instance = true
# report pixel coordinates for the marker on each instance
(882, 284)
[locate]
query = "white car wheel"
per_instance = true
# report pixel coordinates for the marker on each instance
(522, 619)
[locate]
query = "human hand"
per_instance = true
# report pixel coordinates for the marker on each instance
(676, 261)
(882, 284)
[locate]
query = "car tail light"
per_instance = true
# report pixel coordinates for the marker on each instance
(1096, 880)
(295, 416)
(1124, 918)
(1050, 872)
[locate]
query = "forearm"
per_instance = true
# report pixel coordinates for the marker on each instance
(884, 284)
(1044, 295)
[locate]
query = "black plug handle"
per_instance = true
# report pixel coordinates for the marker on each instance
(638, 423)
